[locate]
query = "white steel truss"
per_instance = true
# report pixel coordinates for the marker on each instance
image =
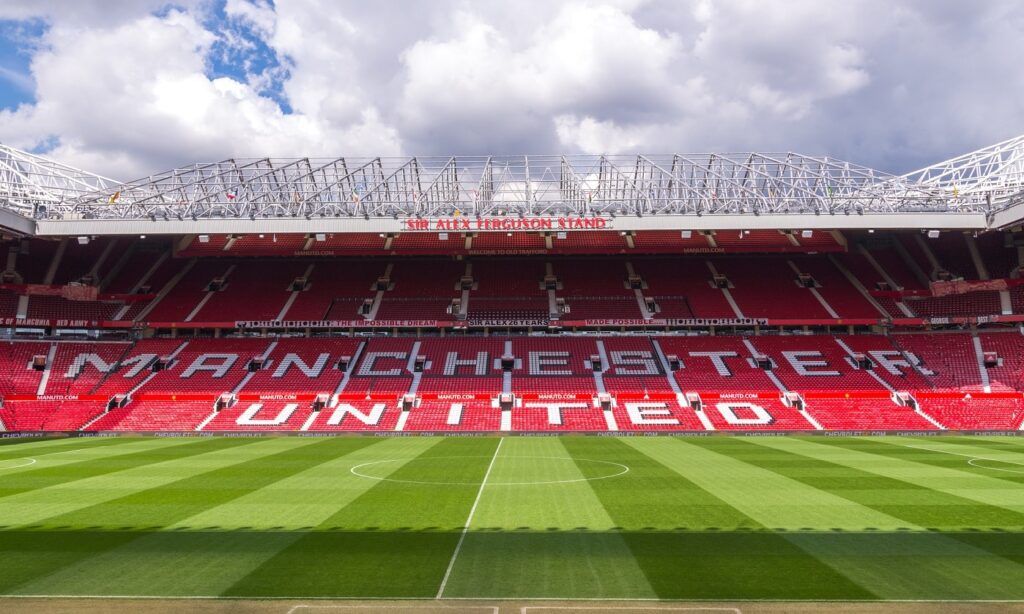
(990, 177)
(28, 181)
(744, 184)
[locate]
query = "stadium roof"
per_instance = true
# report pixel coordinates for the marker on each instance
(979, 190)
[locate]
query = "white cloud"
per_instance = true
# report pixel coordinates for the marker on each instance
(124, 92)
(135, 98)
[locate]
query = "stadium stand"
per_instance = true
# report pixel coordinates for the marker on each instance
(765, 331)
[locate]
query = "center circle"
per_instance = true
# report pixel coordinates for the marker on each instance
(973, 462)
(556, 465)
(17, 463)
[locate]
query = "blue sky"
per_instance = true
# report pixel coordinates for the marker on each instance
(131, 87)
(17, 42)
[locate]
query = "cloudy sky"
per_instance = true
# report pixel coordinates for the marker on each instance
(129, 87)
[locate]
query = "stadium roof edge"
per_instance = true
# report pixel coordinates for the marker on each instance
(978, 190)
(894, 221)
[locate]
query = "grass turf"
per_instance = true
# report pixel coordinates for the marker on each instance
(794, 518)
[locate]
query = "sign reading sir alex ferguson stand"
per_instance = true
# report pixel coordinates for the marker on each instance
(467, 223)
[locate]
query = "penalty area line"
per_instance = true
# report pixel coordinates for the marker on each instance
(469, 519)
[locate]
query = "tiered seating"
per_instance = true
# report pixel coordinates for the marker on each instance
(634, 378)
(28, 415)
(842, 414)
(464, 380)
(1017, 299)
(752, 239)
(957, 305)
(189, 291)
(15, 364)
(595, 289)
(173, 380)
(565, 373)
(432, 415)
(664, 415)
(682, 289)
(8, 304)
(508, 290)
(497, 241)
(426, 242)
(268, 243)
(355, 243)
(1010, 348)
(170, 415)
(951, 357)
(336, 290)
(752, 415)
(892, 263)
(589, 242)
(118, 381)
(818, 240)
(533, 416)
(69, 377)
(878, 348)
(975, 411)
(362, 378)
(68, 415)
(866, 274)
(421, 290)
(57, 308)
(368, 420)
(836, 289)
(835, 370)
(552, 370)
(284, 416)
(254, 291)
(213, 247)
(668, 241)
(293, 379)
(760, 284)
(701, 374)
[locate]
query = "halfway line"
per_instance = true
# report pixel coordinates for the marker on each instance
(465, 529)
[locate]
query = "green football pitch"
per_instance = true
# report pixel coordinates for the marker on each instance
(675, 518)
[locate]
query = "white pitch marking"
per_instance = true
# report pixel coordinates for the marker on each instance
(525, 609)
(465, 529)
(31, 461)
(625, 470)
(94, 597)
(971, 458)
(493, 609)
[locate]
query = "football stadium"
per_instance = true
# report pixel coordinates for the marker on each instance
(414, 324)
(745, 381)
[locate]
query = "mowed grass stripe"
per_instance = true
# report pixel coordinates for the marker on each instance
(33, 508)
(914, 564)
(843, 534)
(37, 448)
(693, 544)
(108, 460)
(193, 556)
(997, 540)
(950, 498)
(32, 552)
(541, 531)
(81, 450)
(950, 453)
(395, 540)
